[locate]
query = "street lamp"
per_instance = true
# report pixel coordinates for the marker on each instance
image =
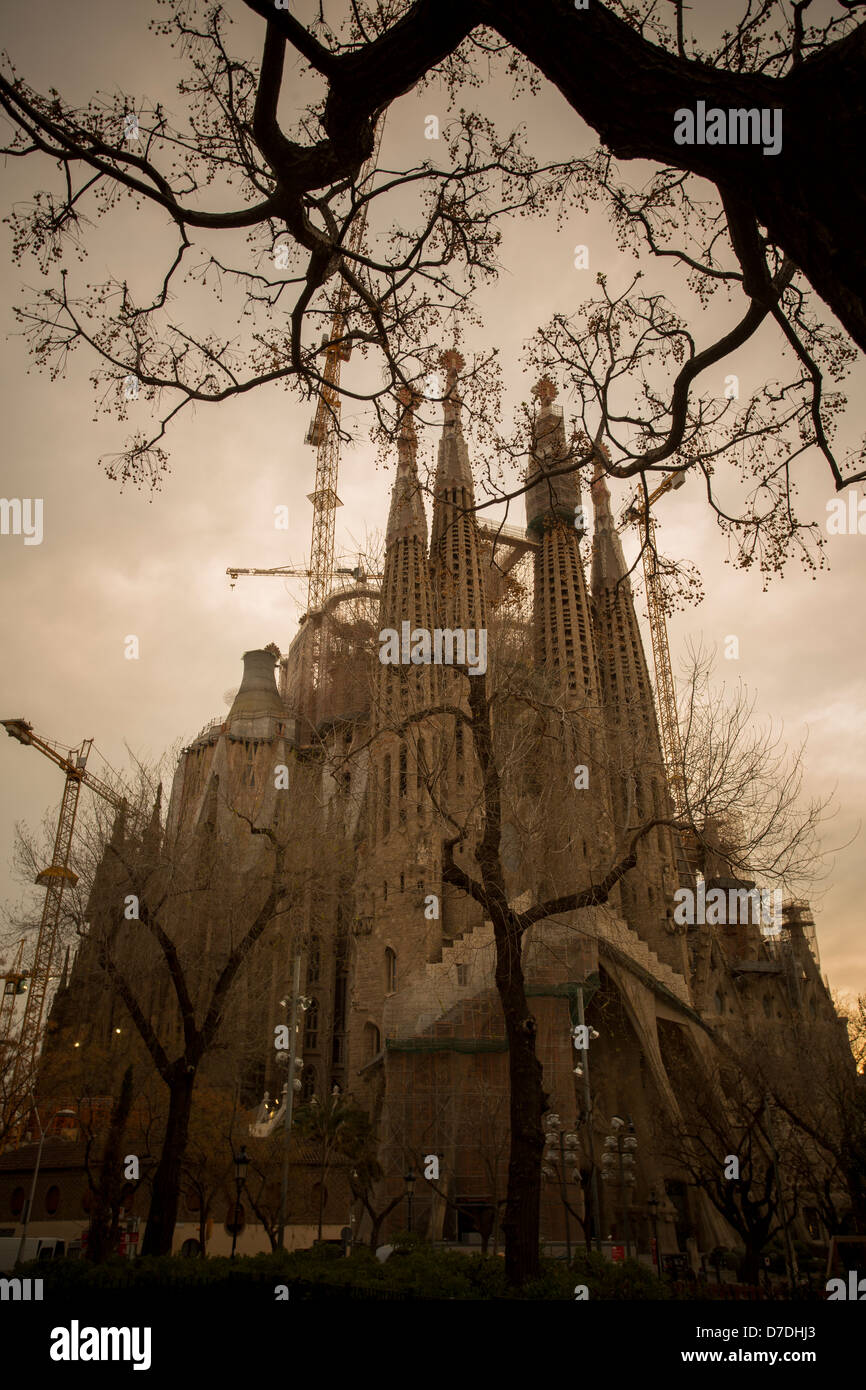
(617, 1164)
(295, 1002)
(561, 1148)
(581, 1072)
(409, 1180)
(242, 1163)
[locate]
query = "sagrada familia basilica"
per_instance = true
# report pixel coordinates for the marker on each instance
(355, 751)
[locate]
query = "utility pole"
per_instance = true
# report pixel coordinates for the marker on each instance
(587, 1105)
(290, 1095)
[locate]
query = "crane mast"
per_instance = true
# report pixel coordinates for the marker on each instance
(54, 878)
(15, 983)
(324, 430)
(324, 434)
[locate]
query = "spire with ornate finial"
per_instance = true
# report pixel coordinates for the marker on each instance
(455, 555)
(453, 469)
(545, 391)
(153, 833)
(453, 363)
(407, 517)
(608, 562)
(633, 736)
(554, 497)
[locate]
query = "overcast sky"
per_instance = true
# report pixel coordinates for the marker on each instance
(117, 563)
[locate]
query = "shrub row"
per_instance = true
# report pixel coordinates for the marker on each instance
(414, 1270)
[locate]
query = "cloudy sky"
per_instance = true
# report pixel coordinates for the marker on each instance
(118, 563)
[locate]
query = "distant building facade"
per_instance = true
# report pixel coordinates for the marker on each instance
(368, 767)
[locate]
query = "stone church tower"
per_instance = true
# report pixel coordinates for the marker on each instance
(366, 767)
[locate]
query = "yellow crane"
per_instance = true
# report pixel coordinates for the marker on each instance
(15, 984)
(54, 878)
(324, 430)
(666, 696)
(358, 572)
(324, 434)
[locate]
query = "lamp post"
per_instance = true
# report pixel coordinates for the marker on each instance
(560, 1147)
(29, 1207)
(409, 1180)
(581, 1071)
(293, 1083)
(653, 1203)
(241, 1165)
(619, 1151)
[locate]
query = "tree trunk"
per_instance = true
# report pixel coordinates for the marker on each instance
(527, 1104)
(104, 1221)
(376, 1221)
(750, 1265)
(375, 1228)
(162, 1216)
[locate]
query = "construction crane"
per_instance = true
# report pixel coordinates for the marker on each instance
(324, 430)
(15, 984)
(358, 573)
(640, 512)
(72, 762)
(324, 434)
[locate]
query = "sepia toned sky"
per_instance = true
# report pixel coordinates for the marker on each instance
(117, 563)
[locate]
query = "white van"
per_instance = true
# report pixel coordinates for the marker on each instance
(35, 1248)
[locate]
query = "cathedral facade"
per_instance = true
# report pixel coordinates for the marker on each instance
(365, 768)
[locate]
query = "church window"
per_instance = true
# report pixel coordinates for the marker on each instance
(308, 1084)
(250, 766)
(390, 970)
(372, 1044)
(311, 1027)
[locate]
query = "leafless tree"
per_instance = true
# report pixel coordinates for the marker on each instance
(237, 177)
(512, 714)
(724, 1120)
(177, 985)
(813, 1078)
